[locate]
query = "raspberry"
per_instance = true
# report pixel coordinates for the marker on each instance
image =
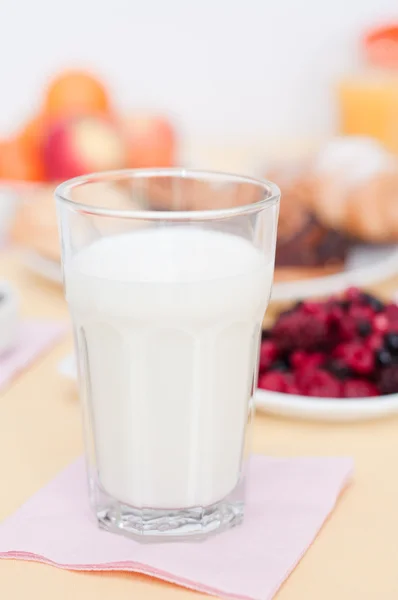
(335, 315)
(392, 312)
(356, 356)
(380, 323)
(361, 313)
(268, 353)
(348, 329)
(354, 294)
(273, 381)
(322, 384)
(297, 359)
(304, 360)
(359, 388)
(314, 360)
(292, 388)
(374, 341)
(300, 330)
(312, 308)
(388, 382)
(304, 378)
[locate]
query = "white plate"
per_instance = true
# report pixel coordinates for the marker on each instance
(300, 407)
(366, 265)
(326, 409)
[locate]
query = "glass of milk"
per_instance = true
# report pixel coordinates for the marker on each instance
(167, 276)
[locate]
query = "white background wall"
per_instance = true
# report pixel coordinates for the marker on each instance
(228, 68)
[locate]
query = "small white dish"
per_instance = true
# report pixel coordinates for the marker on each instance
(8, 316)
(8, 206)
(44, 267)
(300, 407)
(326, 409)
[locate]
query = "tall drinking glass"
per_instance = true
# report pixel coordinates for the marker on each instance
(167, 276)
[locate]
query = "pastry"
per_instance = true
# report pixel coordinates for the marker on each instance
(355, 189)
(305, 246)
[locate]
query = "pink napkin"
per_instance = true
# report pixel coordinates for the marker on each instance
(34, 338)
(288, 501)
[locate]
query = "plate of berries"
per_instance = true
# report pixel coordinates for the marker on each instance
(334, 360)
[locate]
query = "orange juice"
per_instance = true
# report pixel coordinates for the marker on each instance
(368, 101)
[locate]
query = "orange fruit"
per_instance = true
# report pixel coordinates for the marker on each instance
(74, 93)
(32, 134)
(18, 163)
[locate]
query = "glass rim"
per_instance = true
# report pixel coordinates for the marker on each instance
(271, 194)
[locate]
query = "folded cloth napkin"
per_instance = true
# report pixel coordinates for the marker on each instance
(288, 500)
(34, 338)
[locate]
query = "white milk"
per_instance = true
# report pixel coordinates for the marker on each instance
(168, 319)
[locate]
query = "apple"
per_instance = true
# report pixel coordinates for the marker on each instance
(83, 145)
(151, 140)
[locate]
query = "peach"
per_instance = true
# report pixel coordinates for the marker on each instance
(83, 145)
(72, 93)
(151, 141)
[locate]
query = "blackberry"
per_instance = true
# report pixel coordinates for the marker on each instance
(375, 304)
(383, 357)
(364, 328)
(391, 341)
(300, 331)
(339, 369)
(388, 383)
(345, 304)
(279, 365)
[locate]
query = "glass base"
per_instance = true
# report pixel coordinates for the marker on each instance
(155, 525)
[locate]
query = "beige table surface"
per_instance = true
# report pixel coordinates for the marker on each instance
(355, 557)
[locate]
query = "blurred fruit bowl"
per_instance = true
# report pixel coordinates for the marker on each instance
(333, 360)
(77, 130)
